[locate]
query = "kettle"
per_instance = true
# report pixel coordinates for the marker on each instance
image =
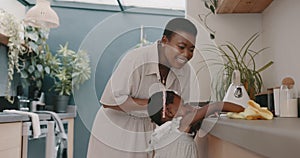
(236, 93)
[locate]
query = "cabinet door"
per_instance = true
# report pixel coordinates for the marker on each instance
(218, 148)
(10, 139)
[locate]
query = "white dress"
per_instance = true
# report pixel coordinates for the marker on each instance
(117, 134)
(169, 142)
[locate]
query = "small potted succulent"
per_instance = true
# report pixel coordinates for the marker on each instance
(69, 70)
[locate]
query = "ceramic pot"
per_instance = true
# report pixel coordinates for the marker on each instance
(60, 103)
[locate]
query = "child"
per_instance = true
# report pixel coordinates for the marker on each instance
(173, 136)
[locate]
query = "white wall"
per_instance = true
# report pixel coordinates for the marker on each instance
(281, 26)
(236, 28)
(13, 7)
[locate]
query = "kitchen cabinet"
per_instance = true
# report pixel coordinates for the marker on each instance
(10, 139)
(70, 136)
(15, 130)
(242, 6)
(210, 146)
(222, 149)
(49, 140)
(68, 123)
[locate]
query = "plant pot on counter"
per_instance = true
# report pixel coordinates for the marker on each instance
(6, 105)
(60, 103)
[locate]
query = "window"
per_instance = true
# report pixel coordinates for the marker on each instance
(161, 4)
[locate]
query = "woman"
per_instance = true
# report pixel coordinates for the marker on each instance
(122, 127)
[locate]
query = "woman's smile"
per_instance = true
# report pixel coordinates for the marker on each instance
(181, 59)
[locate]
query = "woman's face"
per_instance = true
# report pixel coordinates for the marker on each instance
(178, 50)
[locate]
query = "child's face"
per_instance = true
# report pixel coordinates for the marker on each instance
(176, 109)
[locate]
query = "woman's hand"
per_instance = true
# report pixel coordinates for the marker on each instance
(131, 104)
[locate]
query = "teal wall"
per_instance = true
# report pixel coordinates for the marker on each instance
(3, 69)
(79, 24)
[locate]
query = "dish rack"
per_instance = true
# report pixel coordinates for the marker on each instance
(48, 131)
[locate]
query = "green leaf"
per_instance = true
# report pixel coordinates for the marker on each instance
(212, 9)
(33, 36)
(37, 74)
(24, 74)
(216, 3)
(206, 5)
(31, 68)
(33, 46)
(39, 67)
(39, 84)
(47, 70)
(265, 67)
(212, 36)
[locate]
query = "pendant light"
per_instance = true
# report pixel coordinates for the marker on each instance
(42, 15)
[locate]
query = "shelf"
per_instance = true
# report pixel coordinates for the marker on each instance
(3, 39)
(242, 6)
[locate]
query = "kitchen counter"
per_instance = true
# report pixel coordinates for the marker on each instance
(8, 117)
(279, 137)
(17, 129)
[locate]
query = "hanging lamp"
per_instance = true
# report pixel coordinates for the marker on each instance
(42, 15)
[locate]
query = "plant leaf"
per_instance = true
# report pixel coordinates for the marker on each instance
(39, 67)
(242, 59)
(47, 70)
(24, 74)
(31, 68)
(212, 36)
(265, 66)
(216, 3)
(206, 5)
(212, 9)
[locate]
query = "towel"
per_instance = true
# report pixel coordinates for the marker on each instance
(252, 112)
(57, 120)
(62, 141)
(34, 120)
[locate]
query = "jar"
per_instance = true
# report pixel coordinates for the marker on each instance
(288, 103)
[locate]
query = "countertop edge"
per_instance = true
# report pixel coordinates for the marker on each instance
(265, 137)
(9, 117)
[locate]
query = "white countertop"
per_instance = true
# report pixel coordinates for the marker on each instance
(279, 137)
(7, 117)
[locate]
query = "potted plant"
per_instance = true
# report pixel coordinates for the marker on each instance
(242, 59)
(211, 5)
(12, 28)
(33, 67)
(26, 51)
(69, 70)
